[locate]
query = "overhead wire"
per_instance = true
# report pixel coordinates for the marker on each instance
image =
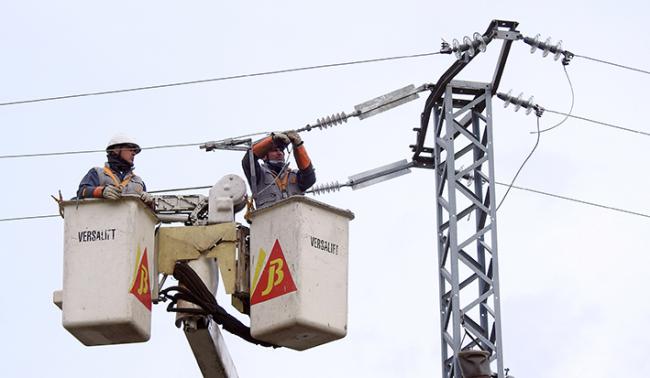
(41, 154)
(159, 86)
(568, 115)
(600, 122)
(612, 64)
(576, 200)
(29, 217)
(566, 198)
(573, 97)
(150, 192)
(180, 189)
(522, 166)
(223, 78)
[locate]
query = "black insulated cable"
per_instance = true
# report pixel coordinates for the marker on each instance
(193, 290)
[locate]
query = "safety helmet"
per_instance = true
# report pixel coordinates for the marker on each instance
(122, 139)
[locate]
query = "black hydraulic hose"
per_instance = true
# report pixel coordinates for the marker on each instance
(195, 291)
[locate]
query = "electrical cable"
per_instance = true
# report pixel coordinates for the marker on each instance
(180, 189)
(567, 115)
(573, 97)
(521, 167)
(613, 64)
(496, 182)
(195, 291)
(266, 133)
(600, 123)
(576, 200)
(29, 217)
(224, 78)
(91, 151)
(143, 148)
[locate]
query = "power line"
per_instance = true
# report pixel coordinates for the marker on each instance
(180, 189)
(496, 182)
(90, 151)
(223, 78)
(522, 166)
(573, 98)
(613, 64)
(143, 148)
(568, 115)
(577, 200)
(57, 215)
(29, 217)
(600, 123)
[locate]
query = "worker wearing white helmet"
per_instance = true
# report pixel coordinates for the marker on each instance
(274, 179)
(116, 177)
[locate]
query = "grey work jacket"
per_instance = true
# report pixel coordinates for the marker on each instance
(134, 185)
(269, 192)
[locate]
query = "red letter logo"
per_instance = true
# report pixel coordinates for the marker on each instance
(276, 278)
(140, 286)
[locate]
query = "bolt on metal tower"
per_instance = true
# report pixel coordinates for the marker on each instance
(466, 225)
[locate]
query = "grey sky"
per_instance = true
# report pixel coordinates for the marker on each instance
(574, 293)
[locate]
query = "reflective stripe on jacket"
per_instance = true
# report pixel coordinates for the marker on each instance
(131, 184)
(271, 189)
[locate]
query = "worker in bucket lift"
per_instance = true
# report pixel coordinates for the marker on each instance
(116, 177)
(274, 179)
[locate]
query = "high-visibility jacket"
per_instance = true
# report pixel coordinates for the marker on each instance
(98, 177)
(269, 188)
(272, 188)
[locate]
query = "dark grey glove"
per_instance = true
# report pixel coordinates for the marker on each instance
(111, 192)
(146, 198)
(294, 137)
(281, 140)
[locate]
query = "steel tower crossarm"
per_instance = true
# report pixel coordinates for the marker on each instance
(498, 29)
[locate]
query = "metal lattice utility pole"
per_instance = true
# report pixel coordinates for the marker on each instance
(466, 225)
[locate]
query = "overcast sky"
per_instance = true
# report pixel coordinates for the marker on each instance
(573, 277)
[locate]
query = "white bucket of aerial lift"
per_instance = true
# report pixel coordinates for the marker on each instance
(299, 273)
(108, 267)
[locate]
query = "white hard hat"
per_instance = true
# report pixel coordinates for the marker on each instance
(120, 139)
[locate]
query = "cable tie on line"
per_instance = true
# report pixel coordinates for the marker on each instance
(224, 78)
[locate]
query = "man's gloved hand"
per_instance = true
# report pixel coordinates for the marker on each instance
(294, 137)
(280, 139)
(111, 192)
(146, 198)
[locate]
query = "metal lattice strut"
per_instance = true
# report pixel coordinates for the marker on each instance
(467, 248)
